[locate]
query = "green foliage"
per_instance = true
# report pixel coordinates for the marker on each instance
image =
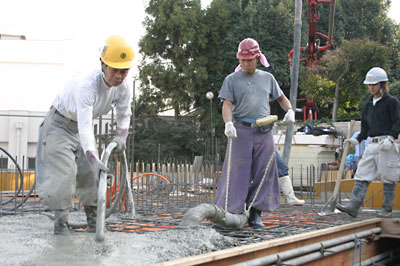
(188, 51)
(339, 75)
(158, 138)
(173, 67)
(357, 19)
(394, 88)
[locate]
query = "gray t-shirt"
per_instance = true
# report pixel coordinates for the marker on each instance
(250, 94)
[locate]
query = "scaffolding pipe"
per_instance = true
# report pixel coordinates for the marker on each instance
(294, 77)
(334, 244)
(382, 258)
(319, 255)
(206, 211)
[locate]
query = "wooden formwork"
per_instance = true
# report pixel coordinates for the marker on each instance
(374, 245)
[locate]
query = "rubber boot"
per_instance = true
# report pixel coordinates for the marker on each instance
(389, 193)
(287, 190)
(61, 222)
(255, 219)
(353, 207)
(91, 217)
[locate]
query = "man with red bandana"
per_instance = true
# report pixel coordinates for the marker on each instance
(253, 177)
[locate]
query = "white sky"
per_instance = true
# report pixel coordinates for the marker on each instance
(86, 22)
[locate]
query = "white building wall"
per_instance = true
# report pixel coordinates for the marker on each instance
(19, 133)
(32, 72)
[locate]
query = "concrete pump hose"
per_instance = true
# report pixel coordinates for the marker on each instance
(102, 212)
(228, 174)
(206, 211)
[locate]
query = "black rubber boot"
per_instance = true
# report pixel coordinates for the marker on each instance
(61, 222)
(91, 217)
(389, 193)
(255, 219)
(357, 198)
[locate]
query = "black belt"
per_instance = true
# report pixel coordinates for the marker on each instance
(60, 114)
(378, 139)
(247, 124)
(254, 125)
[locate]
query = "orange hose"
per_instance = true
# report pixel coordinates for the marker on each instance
(145, 174)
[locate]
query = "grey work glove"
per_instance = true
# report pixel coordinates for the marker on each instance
(289, 117)
(96, 164)
(352, 142)
(386, 144)
(230, 130)
(120, 139)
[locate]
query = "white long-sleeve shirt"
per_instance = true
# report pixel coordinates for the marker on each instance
(88, 97)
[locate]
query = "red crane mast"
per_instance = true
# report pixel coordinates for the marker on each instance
(313, 48)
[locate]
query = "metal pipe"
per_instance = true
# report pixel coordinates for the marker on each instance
(206, 211)
(318, 255)
(382, 258)
(294, 77)
(331, 22)
(305, 250)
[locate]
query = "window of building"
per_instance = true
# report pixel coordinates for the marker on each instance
(3, 163)
(31, 163)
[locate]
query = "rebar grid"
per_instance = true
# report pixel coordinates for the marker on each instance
(286, 221)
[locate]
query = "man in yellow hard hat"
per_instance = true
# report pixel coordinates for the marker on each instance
(67, 164)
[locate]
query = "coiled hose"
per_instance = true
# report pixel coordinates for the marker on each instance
(21, 173)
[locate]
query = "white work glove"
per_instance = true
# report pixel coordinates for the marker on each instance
(120, 139)
(96, 164)
(386, 144)
(230, 130)
(289, 117)
(352, 142)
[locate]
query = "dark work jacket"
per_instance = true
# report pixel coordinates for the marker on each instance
(381, 119)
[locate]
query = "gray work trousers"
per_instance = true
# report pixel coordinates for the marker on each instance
(377, 164)
(62, 169)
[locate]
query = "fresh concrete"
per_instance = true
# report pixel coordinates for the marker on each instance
(28, 240)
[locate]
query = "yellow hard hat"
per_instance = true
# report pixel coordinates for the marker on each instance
(117, 53)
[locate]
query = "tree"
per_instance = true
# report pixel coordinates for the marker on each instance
(158, 138)
(359, 19)
(345, 67)
(188, 51)
(217, 21)
(172, 68)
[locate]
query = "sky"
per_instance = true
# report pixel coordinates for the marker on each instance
(87, 23)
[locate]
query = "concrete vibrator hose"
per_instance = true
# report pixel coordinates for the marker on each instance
(102, 211)
(206, 211)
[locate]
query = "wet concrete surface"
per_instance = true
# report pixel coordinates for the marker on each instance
(28, 240)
